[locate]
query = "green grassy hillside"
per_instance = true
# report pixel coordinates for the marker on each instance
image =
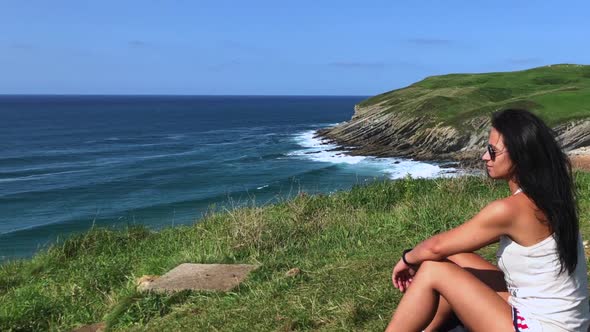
(557, 93)
(345, 245)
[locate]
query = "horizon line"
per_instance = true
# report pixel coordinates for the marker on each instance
(167, 95)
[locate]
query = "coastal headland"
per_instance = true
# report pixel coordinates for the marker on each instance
(447, 118)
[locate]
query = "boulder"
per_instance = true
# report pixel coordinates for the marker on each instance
(200, 277)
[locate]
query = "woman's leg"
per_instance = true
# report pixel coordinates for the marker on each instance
(483, 270)
(476, 304)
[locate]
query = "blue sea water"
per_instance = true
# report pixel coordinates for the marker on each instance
(70, 162)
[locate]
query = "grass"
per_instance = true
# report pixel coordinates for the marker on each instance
(345, 244)
(557, 93)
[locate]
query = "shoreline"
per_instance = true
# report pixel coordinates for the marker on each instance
(579, 157)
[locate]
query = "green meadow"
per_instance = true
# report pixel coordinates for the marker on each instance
(558, 93)
(345, 244)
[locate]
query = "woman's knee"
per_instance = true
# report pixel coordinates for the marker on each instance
(431, 271)
(466, 259)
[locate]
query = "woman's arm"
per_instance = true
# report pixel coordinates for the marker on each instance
(486, 227)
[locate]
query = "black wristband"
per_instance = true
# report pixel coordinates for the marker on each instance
(404, 257)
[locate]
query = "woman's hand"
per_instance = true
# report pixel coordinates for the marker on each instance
(402, 276)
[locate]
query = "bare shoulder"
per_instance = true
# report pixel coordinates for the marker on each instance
(502, 211)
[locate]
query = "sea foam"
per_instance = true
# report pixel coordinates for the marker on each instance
(317, 149)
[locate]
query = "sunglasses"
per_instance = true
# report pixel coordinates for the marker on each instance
(493, 153)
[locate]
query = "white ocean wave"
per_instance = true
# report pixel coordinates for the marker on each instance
(318, 149)
(37, 176)
(175, 137)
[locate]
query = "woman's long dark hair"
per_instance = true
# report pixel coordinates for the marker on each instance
(543, 172)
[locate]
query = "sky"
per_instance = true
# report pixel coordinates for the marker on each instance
(254, 47)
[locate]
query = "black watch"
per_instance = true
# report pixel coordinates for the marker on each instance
(404, 257)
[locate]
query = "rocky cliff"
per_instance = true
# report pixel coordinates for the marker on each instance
(430, 121)
(423, 139)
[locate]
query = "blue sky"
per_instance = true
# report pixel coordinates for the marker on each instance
(275, 47)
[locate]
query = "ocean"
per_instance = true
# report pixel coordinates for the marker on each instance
(70, 162)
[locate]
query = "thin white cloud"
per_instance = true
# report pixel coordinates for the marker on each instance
(524, 61)
(137, 43)
(430, 42)
(21, 46)
(224, 65)
(356, 64)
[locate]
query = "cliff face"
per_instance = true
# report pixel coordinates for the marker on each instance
(376, 133)
(448, 117)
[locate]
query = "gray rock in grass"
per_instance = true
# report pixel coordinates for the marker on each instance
(209, 277)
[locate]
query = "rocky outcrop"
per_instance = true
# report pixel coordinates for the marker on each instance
(374, 132)
(574, 135)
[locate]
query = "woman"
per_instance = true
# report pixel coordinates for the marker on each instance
(540, 283)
